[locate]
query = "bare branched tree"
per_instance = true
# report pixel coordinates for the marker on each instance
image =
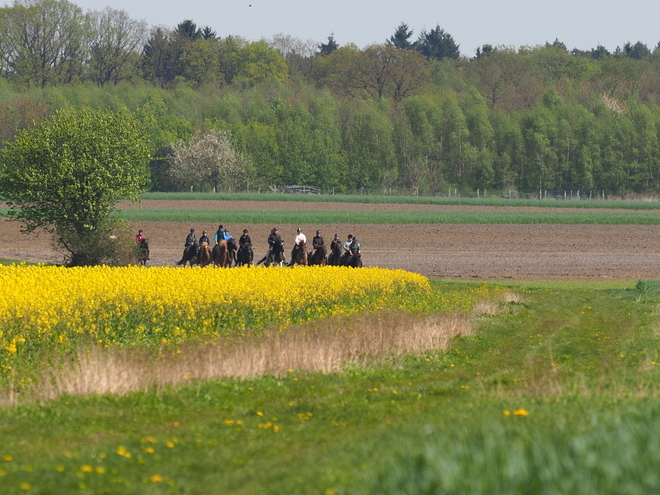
(208, 157)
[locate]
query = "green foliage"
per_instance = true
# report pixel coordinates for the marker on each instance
(66, 175)
(510, 119)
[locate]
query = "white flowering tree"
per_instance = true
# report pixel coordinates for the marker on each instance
(208, 157)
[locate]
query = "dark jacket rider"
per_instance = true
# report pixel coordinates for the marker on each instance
(317, 241)
(245, 240)
(191, 240)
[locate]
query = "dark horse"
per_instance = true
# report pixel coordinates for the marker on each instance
(298, 255)
(244, 256)
(335, 255)
(204, 256)
(143, 252)
(318, 257)
(189, 256)
(351, 260)
(276, 254)
(232, 247)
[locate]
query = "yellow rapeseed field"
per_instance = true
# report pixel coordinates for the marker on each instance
(48, 307)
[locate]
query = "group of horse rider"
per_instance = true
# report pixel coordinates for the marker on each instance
(338, 250)
(221, 235)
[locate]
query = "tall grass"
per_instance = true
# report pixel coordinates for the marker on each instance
(326, 347)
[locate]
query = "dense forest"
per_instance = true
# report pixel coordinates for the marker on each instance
(410, 115)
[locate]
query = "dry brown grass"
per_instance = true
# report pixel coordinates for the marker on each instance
(495, 306)
(325, 346)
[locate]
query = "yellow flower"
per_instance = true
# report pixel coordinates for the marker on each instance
(25, 486)
(156, 478)
(7, 458)
(87, 468)
(521, 412)
(507, 412)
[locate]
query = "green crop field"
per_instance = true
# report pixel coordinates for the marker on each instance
(391, 217)
(420, 200)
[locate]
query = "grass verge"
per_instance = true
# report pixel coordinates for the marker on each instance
(555, 393)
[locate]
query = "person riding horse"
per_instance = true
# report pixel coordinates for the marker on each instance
(354, 255)
(335, 251)
(346, 248)
(318, 256)
(231, 248)
(317, 243)
(142, 247)
(204, 239)
(298, 246)
(190, 245)
(275, 246)
(220, 235)
(245, 254)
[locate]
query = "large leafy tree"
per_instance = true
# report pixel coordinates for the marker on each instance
(114, 46)
(66, 174)
(42, 42)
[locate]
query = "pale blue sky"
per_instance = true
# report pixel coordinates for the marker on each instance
(578, 23)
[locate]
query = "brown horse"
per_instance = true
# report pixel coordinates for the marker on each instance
(318, 257)
(298, 256)
(204, 256)
(220, 255)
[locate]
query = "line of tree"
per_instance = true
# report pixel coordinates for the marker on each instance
(411, 113)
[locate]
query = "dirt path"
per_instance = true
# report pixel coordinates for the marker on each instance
(481, 252)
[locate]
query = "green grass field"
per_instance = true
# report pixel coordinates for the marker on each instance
(421, 200)
(390, 217)
(555, 394)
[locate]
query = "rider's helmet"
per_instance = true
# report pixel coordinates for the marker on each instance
(336, 236)
(355, 239)
(245, 231)
(318, 231)
(220, 227)
(299, 230)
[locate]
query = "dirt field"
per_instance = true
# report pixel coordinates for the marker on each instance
(481, 252)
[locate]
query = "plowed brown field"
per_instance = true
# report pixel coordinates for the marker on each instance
(462, 251)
